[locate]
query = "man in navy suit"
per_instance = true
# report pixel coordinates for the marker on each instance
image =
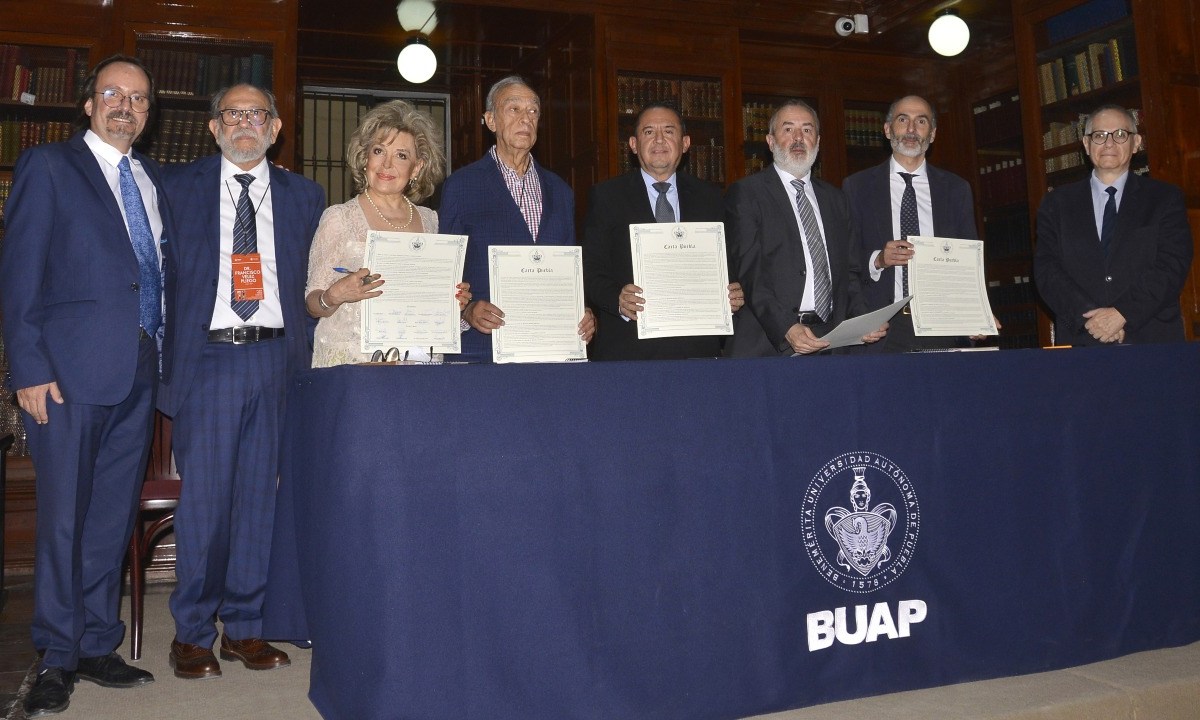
(943, 205)
(659, 141)
(80, 293)
(238, 332)
(796, 247)
(505, 198)
(1113, 250)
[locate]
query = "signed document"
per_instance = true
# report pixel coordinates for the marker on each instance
(851, 330)
(684, 276)
(946, 279)
(418, 307)
(540, 290)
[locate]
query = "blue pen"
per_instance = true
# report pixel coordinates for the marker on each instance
(342, 270)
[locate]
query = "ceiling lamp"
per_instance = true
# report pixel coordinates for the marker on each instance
(949, 35)
(416, 61)
(417, 15)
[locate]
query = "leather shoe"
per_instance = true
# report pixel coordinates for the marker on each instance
(192, 662)
(51, 692)
(112, 671)
(254, 653)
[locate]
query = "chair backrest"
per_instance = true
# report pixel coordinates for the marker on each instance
(161, 486)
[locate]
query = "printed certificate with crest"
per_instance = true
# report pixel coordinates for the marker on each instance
(418, 307)
(949, 291)
(540, 290)
(684, 276)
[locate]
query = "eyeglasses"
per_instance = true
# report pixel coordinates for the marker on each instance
(1101, 136)
(255, 116)
(115, 98)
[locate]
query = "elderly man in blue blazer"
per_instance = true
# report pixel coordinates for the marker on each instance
(1113, 250)
(238, 331)
(939, 202)
(795, 247)
(505, 198)
(81, 296)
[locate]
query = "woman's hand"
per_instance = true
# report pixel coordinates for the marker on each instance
(354, 287)
(463, 294)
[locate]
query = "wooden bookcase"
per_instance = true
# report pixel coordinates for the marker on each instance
(699, 100)
(1075, 55)
(862, 132)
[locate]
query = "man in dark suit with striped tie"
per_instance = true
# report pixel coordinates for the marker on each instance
(237, 331)
(657, 191)
(906, 196)
(80, 293)
(795, 246)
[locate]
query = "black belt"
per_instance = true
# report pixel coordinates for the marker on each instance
(808, 318)
(244, 334)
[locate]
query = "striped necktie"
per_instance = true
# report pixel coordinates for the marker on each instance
(822, 285)
(245, 240)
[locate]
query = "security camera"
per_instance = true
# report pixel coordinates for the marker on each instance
(844, 26)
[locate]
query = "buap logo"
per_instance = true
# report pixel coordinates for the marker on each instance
(868, 542)
(417, 243)
(536, 256)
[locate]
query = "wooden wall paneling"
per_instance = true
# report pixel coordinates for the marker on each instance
(571, 98)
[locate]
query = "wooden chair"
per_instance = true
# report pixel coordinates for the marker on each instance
(160, 497)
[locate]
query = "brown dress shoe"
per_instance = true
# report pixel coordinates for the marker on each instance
(254, 653)
(192, 662)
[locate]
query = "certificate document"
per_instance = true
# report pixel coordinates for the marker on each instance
(684, 276)
(945, 277)
(540, 290)
(418, 307)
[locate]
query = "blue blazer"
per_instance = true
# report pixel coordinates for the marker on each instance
(1141, 275)
(761, 228)
(195, 192)
(69, 275)
(870, 196)
(477, 203)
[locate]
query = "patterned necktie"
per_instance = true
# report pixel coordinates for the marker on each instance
(663, 212)
(142, 238)
(1108, 225)
(822, 285)
(245, 240)
(910, 224)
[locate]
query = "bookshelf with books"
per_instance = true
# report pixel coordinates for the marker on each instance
(1076, 55)
(38, 88)
(862, 128)
(700, 102)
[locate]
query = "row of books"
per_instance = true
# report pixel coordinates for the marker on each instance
(53, 81)
(698, 99)
(1101, 64)
(1002, 183)
(1007, 235)
(864, 128)
(195, 74)
(997, 119)
(16, 135)
(756, 120)
(180, 136)
(1065, 161)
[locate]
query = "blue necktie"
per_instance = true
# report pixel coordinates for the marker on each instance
(1108, 225)
(245, 240)
(910, 223)
(142, 238)
(822, 284)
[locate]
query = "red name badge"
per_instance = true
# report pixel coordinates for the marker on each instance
(247, 277)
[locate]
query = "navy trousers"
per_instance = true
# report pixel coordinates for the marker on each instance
(226, 443)
(90, 461)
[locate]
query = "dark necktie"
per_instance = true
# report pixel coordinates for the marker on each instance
(662, 207)
(1108, 225)
(822, 285)
(910, 224)
(142, 238)
(245, 240)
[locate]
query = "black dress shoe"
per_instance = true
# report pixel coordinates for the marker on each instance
(51, 692)
(111, 671)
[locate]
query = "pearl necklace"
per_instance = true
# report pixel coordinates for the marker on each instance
(384, 217)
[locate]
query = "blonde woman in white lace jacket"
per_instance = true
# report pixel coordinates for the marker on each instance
(396, 160)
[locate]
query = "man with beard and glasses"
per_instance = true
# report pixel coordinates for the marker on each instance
(884, 199)
(795, 246)
(238, 330)
(81, 296)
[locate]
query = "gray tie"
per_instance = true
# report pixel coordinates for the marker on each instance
(663, 212)
(822, 286)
